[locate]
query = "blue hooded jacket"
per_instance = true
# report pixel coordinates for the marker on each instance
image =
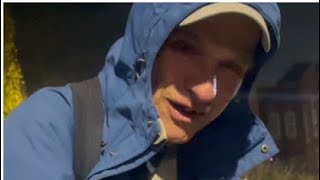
(38, 134)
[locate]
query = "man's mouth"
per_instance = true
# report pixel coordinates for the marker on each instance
(181, 112)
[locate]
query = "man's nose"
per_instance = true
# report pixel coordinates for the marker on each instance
(203, 93)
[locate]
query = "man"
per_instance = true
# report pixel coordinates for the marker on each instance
(179, 79)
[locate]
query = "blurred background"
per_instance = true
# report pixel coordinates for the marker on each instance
(52, 44)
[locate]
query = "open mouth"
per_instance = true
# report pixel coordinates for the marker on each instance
(181, 112)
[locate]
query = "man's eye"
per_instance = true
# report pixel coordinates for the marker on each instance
(234, 68)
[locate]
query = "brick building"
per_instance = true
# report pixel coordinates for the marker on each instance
(291, 113)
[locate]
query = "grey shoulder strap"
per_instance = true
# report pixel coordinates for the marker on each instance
(89, 115)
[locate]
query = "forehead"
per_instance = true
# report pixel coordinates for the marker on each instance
(232, 30)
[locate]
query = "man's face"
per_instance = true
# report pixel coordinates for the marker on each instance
(198, 71)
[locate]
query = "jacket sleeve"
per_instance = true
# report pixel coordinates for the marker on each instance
(38, 137)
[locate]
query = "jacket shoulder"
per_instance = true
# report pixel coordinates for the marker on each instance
(38, 136)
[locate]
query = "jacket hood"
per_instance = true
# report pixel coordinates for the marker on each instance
(127, 74)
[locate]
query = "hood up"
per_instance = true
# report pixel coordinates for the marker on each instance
(128, 94)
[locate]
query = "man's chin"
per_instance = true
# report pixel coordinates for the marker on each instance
(182, 139)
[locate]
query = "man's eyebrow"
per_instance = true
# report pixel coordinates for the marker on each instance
(243, 62)
(188, 34)
(185, 33)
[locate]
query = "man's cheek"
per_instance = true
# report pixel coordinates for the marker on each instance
(217, 108)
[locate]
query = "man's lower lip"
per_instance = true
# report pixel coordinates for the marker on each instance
(177, 115)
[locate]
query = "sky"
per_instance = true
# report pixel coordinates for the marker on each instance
(299, 41)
